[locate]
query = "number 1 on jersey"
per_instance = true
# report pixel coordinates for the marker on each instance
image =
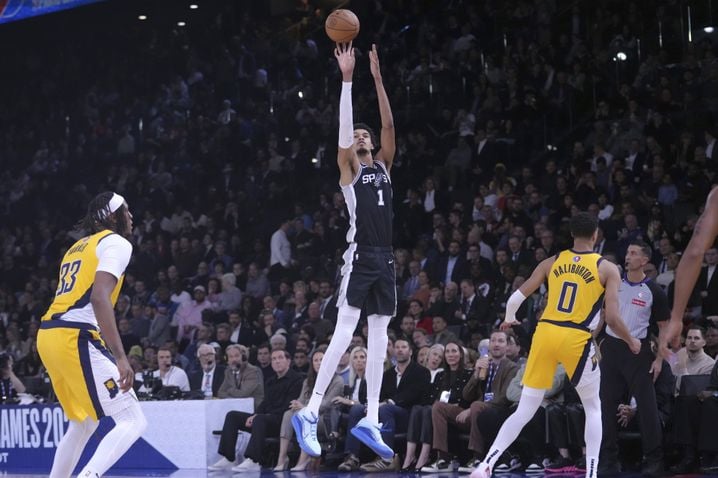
(381, 197)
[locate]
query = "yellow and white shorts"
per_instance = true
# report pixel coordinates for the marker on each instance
(83, 372)
(570, 345)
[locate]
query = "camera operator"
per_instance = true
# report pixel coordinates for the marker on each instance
(10, 385)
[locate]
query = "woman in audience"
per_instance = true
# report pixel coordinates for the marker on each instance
(354, 395)
(447, 386)
(287, 431)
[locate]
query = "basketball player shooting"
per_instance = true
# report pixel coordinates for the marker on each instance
(368, 276)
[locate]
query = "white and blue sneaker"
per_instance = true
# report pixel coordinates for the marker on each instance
(369, 434)
(305, 427)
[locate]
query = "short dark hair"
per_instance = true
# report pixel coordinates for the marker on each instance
(583, 225)
(645, 248)
(371, 132)
(699, 328)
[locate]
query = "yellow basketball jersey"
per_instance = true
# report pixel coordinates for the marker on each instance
(575, 293)
(77, 275)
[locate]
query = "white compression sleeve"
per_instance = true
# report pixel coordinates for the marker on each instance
(530, 401)
(130, 423)
(70, 448)
(513, 304)
(347, 320)
(376, 354)
(346, 116)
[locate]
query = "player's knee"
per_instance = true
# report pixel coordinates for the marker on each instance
(349, 312)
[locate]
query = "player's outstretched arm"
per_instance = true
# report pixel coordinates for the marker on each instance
(388, 138)
(527, 288)
(689, 267)
(346, 156)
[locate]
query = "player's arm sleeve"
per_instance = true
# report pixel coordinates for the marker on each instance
(660, 310)
(114, 254)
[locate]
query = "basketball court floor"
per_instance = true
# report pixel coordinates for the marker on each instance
(325, 474)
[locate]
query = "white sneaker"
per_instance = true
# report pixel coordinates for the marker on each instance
(222, 464)
(248, 465)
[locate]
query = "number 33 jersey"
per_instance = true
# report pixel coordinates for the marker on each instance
(575, 293)
(104, 251)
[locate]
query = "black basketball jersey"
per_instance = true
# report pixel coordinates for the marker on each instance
(369, 201)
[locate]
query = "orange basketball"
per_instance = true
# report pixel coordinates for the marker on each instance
(342, 26)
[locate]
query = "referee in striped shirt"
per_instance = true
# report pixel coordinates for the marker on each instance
(643, 305)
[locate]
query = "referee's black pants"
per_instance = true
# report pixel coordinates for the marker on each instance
(621, 372)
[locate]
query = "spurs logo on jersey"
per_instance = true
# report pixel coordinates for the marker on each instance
(369, 202)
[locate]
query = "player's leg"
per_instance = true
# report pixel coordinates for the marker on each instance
(102, 379)
(58, 348)
(130, 423)
(380, 305)
(587, 378)
(70, 447)
(352, 292)
(538, 377)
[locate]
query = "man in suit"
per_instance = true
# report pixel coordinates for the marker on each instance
(474, 311)
(402, 387)
(708, 284)
(486, 388)
(453, 267)
(209, 378)
(281, 389)
(518, 255)
(241, 379)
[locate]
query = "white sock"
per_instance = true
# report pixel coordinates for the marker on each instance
(70, 447)
(529, 403)
(593, 432)
(130, 423)
(347, 320)
(376, 353)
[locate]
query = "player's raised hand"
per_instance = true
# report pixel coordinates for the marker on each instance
(374, 63)
(344, 53)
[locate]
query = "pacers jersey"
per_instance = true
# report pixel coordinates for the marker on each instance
(104, 251)
(575, 293)
(369, 201)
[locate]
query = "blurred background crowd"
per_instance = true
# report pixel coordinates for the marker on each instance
(510, 115)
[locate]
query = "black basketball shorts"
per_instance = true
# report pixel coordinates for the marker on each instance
(368, 280)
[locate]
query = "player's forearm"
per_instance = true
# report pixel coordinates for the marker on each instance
(346, 116)
(106, 320)
(686, 275)
(387, 118)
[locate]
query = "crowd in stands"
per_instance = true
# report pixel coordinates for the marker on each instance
(510, 117)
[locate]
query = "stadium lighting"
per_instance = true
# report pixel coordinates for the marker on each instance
(708, 29)
(181, 24)
(142, 17)
(194, 6)
(300, 94)
(621, 56)
(315, 160)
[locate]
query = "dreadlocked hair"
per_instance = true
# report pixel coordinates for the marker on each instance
(99, 216)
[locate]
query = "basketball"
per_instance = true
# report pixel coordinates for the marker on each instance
(342, 26)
